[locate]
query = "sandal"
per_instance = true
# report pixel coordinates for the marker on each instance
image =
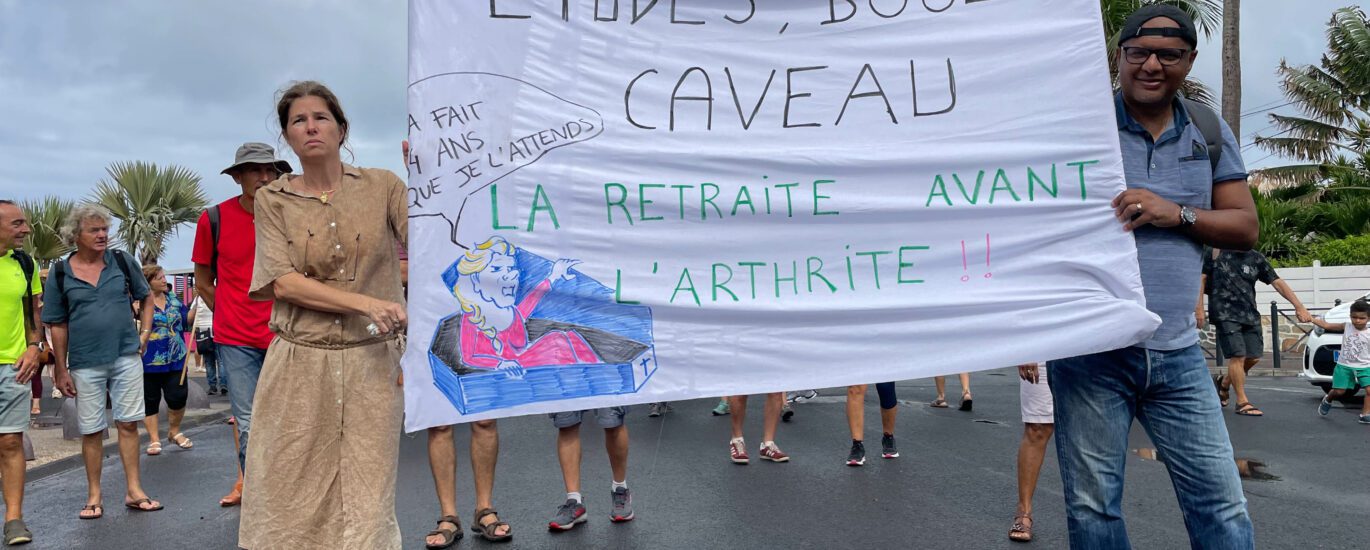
(1221, 384)
(966, 402)
(449, 536)
(137, 505)
(182, 441)
(1247, 409)
(98, 509)
(938, 404)
(1021, 532)
(488, 531)
(154, 448)
(17, 533)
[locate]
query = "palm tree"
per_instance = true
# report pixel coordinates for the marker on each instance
(45, 218)
(1232, 65)
(1207, 16)
(1332, 138)
(150, 204)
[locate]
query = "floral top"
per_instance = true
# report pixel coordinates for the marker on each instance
(166, 347)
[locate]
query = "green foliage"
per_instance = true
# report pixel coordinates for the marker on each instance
(150, 204)
(45, 216)
(1348, 251)
(1331, 138)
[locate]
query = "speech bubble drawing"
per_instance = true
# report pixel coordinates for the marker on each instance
(468, 130)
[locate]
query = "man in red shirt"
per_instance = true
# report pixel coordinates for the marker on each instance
(223, 257)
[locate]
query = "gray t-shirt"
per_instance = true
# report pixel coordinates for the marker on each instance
(101, 326)
(1175, 167)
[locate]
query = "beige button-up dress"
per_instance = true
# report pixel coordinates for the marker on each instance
(327, 415)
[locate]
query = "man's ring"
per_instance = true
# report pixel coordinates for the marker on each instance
(1139, 207)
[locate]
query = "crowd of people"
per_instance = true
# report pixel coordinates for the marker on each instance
(301, 301)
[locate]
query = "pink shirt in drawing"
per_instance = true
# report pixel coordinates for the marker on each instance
(557, 347)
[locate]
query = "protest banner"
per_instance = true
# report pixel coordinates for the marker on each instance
(618, 202)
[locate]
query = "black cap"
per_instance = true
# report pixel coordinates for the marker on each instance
(1132, 26)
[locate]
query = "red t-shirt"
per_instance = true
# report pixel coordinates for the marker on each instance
(238, 320)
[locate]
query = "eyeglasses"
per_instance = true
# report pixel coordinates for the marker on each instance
(1167, 56)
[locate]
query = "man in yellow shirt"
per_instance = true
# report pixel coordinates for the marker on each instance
(21, 341)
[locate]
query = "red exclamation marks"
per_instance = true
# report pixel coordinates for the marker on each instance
(965, 264)
(987, 273)
(964, 267)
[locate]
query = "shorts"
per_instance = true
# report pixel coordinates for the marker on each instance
(14, 402)
(607, 418)
(1345, 378)
(1035, 399)
(123, 379)
(164, 385)
(1240, 340)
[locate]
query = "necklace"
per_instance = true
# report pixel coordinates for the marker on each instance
(323, 196)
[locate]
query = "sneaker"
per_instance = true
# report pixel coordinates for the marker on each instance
(773, 453)
(1363, 419)
(654, 410)
(1324, 407)
(787, 413)
(887, 449)
(623, 506)
(567, 516)
(738, 449)
(802, 396)
(857, 456)
(722, 409)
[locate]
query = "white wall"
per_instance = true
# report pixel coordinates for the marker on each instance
(1343, 283)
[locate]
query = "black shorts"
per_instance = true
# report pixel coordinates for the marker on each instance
(1240, 340)
(157, 385)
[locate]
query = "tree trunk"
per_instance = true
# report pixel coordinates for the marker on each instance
(1232, 66)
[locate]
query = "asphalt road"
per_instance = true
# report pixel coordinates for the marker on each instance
(954, 486)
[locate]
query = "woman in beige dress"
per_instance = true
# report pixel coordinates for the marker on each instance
(328, 408)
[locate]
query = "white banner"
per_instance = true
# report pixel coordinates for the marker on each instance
(618, 202)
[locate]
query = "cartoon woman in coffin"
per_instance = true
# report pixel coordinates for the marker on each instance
(494, 331)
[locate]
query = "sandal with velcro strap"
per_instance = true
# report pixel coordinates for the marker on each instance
(488, 531)
(449, 536)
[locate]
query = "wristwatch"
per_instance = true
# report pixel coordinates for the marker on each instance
(1188, 216)
(39, 344)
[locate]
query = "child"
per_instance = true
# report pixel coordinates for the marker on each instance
(1353, 366)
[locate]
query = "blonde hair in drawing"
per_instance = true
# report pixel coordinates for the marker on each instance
(473, 262)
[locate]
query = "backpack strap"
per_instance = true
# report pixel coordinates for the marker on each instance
(123, 266)
(1207, 122)
(213, 214)
(26, 265)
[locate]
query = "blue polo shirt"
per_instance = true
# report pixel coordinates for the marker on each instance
(1175, 167)
(100, 323)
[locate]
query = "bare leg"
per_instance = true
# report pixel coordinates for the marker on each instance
(941, 382)
(1031, 451)
(965, 384)
(568, 454)
(616, 442)
(775, 403)
(92, 454)
(442, 460)
(887, 419)
(856, 411)
(153, 429)
(12, 474)
(484, 453)
(738, 404)
(235, 496)
(128, 454)
(173, 421)
(1236, 378)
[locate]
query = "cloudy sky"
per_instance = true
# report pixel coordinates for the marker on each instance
(87, 83)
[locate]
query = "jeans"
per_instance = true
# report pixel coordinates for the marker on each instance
(243, 366)
(1171, 395)
(215, 377)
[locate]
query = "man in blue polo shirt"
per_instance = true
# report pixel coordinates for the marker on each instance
(98, 344)
(1176, 203)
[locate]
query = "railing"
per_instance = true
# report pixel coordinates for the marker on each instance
(1278, 349)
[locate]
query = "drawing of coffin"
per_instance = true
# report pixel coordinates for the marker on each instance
(628, 364)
